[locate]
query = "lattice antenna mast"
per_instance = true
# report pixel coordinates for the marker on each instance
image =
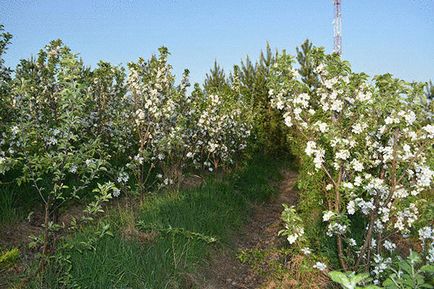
(337, 26)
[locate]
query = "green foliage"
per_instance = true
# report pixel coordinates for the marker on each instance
(268, 130)
(410, 273)
(216, 81)
(306, 59)
(294, 228)
(350, 280)
(5, 80)
(9, 257)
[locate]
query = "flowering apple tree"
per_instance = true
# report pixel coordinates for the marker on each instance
(47, 138)
(371, 140)
(221, 130)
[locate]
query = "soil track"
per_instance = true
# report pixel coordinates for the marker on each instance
(224, 269)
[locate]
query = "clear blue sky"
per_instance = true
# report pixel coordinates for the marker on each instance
(379, 36)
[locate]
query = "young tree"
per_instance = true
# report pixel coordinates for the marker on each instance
(47, 139)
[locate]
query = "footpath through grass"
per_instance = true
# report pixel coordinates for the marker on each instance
(167, 256)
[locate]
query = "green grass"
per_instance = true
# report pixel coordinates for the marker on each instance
(218, 208)
(15, 202)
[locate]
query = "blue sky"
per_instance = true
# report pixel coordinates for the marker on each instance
(379, 36)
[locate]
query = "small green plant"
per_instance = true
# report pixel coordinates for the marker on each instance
(293, 224)
(351, 280)
(9, 257)
(410, 273)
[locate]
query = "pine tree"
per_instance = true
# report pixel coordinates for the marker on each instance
(215, 80)
(307, 65)
(5, 80)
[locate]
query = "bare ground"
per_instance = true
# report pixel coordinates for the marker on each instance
(224, 269)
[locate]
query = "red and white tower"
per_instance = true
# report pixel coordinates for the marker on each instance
(337, 27)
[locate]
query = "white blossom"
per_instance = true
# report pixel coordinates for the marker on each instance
(116, 192)
(306, 251)
(389, 246)
(327, 216)
(320, 266)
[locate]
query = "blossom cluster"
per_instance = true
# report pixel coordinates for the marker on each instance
(176, 129)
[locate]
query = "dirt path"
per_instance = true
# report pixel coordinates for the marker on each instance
(225, 270)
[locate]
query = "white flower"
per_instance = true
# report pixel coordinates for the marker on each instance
(351, 207)
(381, 264)
(426, 233)
(337, 105)
(320, 68)
(292, 238)
(357, 166)
(310, 148)
(73, 169)
(358, 181)
(320, 266)
(52, 141)
(410, 117)
(342, 154)
(322, 126)
(365, 206)
(424, 176)
(288, 120)
(138, 159)
(306, 251)
(352, 242)
(406, 218)
(327, 216)
(190, 155)
(123, 177)
(329, 187)
(297, 111)
(116, 192)
(336, 229)
(430, 130)
(361, 96)
(359, 128)
(347, 185)
(140, 114)
(319, 158)
(389, 246)
(391, 120)
(15, 130)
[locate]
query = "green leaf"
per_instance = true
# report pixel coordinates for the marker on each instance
(427, 268)
(360, 277)
(339, 277)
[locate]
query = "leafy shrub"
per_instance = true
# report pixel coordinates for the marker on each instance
(410, 273)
